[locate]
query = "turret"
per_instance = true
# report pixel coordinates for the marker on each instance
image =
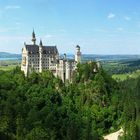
(78, 54)
(40, 46)
(24, 43)
(40, 55)
(33, 38)
(65, 56)
(98, 64)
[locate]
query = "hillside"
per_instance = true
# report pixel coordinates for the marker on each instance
(42, 107)
(125, 76)
(9, 55)
(109, 57)
(121, 66)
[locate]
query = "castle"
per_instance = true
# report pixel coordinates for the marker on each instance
(39, 58)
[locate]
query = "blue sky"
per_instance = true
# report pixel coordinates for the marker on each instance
(98, 26)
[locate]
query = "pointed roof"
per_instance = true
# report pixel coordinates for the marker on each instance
(46, 49)
(77, 46)
(33, 37)
(33, 34)
(41, 44)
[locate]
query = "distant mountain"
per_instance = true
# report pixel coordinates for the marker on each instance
(95, 57)
(85, 57)
(109, 57)
(9, 55)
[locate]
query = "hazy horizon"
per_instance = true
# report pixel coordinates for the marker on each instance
(82, 54)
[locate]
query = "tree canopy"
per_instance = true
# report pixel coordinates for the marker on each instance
(42, 107)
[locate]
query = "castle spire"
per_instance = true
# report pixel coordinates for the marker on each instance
(41, 44)
(33, 37)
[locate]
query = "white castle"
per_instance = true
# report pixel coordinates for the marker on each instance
(39, 58)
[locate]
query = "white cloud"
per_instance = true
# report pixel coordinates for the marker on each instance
(12, 7)
(6, 29)
(18, 23)
(62, 30)
(48, 36)
(120, 29)
(111, 16)
(127, 18)
(10, 38)
(101, 30)
(7, 8)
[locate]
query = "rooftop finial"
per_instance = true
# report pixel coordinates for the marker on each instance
(33, 37)
(78, 46)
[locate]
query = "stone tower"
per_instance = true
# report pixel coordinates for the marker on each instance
(78, 54)
(40, 55)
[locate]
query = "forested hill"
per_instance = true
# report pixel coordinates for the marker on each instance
(41, 107)
(9, 55)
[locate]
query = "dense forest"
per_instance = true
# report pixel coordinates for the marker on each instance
(42, 107)
(121, 66)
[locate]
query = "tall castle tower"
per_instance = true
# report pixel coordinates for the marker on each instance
(40, 55)
(78, 54)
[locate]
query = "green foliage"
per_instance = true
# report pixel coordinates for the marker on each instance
(130, 104)
(41, 107)
(8, 65)
(123, 66)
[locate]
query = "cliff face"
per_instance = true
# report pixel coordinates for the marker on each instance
(115, 135)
